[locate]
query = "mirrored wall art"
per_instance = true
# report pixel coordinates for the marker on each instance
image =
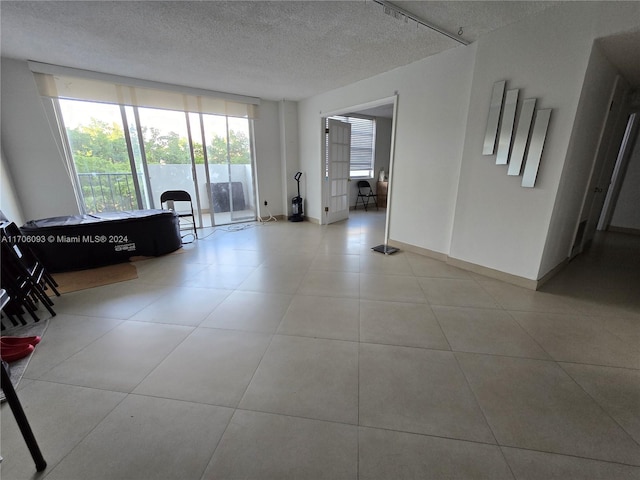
(538, 136)
(522, 136)
(506, 129)
(493, 118)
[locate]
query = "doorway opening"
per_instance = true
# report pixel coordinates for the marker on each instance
(611, 150)
(384, 111)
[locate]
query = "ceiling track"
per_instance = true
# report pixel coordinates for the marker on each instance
(420, 21)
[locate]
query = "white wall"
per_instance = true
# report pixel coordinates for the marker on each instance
(40, 178)
(431, 116)
(499, 224)
(627, 212)
(43, 187)
(9, 204)
(383, 145)
(266, 130)
(290, 163)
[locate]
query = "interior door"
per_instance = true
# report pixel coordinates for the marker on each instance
(610, 142)
(631, 136)
(338, 164)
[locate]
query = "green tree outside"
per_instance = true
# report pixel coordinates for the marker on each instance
(99, 148)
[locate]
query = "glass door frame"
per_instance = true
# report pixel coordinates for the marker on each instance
(194, 173)
(68, 155)
(132, 158)
(252, 184)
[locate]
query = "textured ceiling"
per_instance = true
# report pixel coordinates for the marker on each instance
(273, 50)
(623, 51)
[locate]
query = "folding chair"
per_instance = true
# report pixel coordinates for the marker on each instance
(365, 194)
(24, 255)
(186, 217)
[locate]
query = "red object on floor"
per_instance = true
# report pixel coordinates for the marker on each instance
(15, 341)
(15, 352)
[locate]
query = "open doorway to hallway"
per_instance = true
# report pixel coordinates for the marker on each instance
(613, 194)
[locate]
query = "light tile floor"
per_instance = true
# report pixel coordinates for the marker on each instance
(292, 351)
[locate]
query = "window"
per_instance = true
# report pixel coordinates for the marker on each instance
(127, 143)
(363, 140)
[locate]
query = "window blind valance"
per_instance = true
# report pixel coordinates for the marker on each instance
(63, 82)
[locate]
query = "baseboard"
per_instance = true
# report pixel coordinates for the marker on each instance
(552, 273)
(492, 273)
(470, 267)
(630, 231)
(425, 252)
(304, 219)
(277, 217)
(479, 269)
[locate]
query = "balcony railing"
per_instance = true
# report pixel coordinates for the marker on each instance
(108, 192)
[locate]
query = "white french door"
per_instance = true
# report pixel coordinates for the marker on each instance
(338, 165)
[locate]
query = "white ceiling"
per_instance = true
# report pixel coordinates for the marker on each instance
(273, 50)
(623, 51)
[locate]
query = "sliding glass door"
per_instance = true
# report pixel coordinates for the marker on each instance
(101, 160)
(127, 168)
(167, 152)
(130, 118)
(230, 169)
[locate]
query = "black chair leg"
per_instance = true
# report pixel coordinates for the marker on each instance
(21, 419)
(51, 283)
(46, 301)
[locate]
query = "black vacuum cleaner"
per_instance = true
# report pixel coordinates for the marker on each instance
(296, 203)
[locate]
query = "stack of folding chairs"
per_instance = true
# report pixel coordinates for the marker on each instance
(24, 278)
